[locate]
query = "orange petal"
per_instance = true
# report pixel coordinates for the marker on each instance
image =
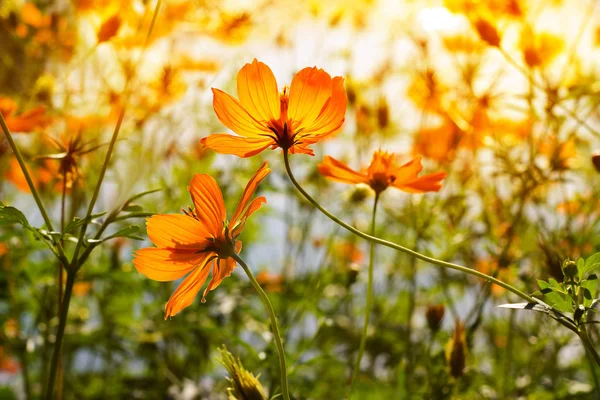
(407, 172)
(222, 268)
(262, 172)
(186, 292)
(236, 145)
(340, 172)
(257, 90)
(208, 203)
(331, 116)
(253, 207)
(166, 265)
(177, 231)
(231, 113)
(426, 183)
(310, 90)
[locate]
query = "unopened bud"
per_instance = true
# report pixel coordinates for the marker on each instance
(487, 32)
(383, 114)
(245, 386)
(569, 269)
(596, 161)
(434, 315)
(456, 351)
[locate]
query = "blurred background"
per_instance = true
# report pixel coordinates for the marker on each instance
(501, 94)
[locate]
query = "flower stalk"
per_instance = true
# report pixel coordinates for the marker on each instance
(274, 324)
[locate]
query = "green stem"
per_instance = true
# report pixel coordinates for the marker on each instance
(395, 246)
(61, 253)
(62, 322)
(274, 324)
(369, 306)
(587, 343)
(75, 262)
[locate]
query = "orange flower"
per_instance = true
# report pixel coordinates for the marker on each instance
(383, 172)
(24, 122)
(197, 242)
(312, 108)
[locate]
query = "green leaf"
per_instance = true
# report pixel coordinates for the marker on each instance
(137, 196)
(554, 298)
(591, 264)
(10, 216)
(589, 287)
(581, 268)
(127, 232)
(77, 222)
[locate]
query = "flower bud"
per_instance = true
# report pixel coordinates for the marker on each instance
(569, 269)
(456, 351)
(383, 114)
(245, 386)
(434, 315)
(596, 161)
(487, 32)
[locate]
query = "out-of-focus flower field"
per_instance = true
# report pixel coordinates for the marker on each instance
(108, 106)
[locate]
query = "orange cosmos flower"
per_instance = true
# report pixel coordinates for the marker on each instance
(383, 172)
(312, 108)
(197, 242)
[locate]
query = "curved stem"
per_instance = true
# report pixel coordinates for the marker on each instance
(587, 343)
(395, 246)
(369, 306)
(274, 324)
(62, 322)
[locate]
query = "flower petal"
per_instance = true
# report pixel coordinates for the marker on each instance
(222, 268)
(331, 116)
(186, 292)
(340, 172)
(257, 90)
(165, 264)
(231, 113)
(208, 203)
(310, 90)
(177, 231)
(407, 172)
(425, 183)
(262, 172)
(236, 145)
(252, 208)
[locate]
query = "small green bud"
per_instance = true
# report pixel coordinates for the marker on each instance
(569, 269)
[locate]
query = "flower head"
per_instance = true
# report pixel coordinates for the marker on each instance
(313, 107)
(383, 172)
(197, 242)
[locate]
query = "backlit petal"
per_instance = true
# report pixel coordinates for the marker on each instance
(309, 91)
(425, 183)
(340, 172)
(166, 265)
(257, 90)
(186, 292)
(236, 145)
(407, 172)
(221, 270)
(208, 202)
(231, 113)
(177, 231)
(253, 207)
(331, 116)
(262, 172)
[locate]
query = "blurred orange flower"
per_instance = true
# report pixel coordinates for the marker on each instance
(3, 249)
(539, 49)
(197, 242)
(438, 143)
(311, 109)
(25, 122)
(270, 282)
(383, 172)
(109, 28)
(41, 174)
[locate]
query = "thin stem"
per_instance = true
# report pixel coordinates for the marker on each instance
(369, 306)
(61, 253)
(113, 140)
(274, 324)
(395, 246)
(587, 343)
(62, 322)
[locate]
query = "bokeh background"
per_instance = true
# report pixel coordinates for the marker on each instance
(502, 95)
